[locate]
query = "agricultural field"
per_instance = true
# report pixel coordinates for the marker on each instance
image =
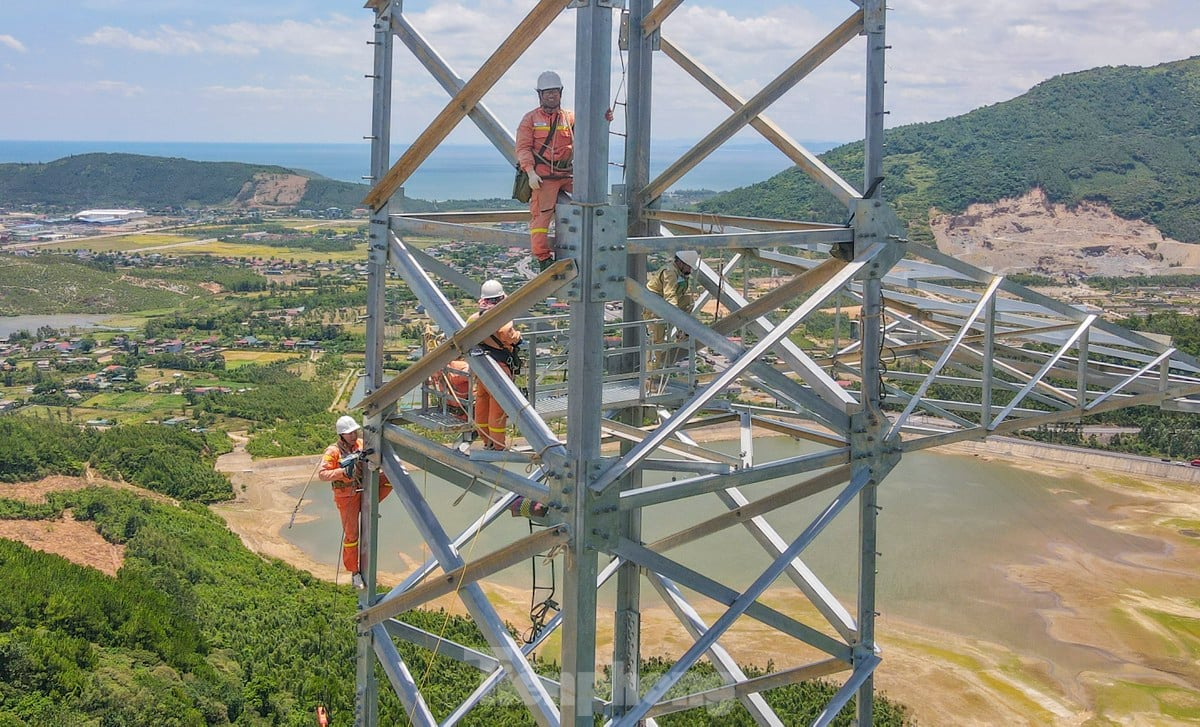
(252, 250)
(123, 243)
(136, 401)
(234, 359)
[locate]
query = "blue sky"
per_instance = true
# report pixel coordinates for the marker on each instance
(220, 70)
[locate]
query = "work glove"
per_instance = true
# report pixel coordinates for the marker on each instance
(535, 182)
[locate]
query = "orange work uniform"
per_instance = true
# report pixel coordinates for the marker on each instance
(347, 495)
(554, 166)
(490, 418)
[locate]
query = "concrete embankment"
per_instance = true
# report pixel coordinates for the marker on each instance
(1148, 467)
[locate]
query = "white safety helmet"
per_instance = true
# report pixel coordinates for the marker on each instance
(491, 289)
(548, 80)
(691, 258)
(346, 424)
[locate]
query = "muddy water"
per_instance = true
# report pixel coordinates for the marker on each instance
(949, 528)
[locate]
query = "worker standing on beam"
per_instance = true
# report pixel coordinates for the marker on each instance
(490, 418)
(545, 150)
(671, 284)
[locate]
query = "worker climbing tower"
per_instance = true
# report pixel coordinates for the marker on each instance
(629, 453)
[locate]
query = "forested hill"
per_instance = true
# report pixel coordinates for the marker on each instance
(133, 180)
(1125, 136)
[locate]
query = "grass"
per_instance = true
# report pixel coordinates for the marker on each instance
(120, 243)
(233, 249)
(234, 359)
(139, 401)
(59, 284)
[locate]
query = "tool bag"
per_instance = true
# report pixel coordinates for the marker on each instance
(521, 190)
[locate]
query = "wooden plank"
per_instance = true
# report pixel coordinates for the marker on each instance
(489, 564)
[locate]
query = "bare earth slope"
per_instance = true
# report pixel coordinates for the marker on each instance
(272, 190)
(1032, 235)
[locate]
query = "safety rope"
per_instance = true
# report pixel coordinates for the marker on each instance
(625, 111)
(300, 501)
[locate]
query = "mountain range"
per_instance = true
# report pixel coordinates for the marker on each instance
(1122, 140)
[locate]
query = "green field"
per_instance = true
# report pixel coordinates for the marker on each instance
(122, 243)
(139, 401)
(234, 359)
(249, 250)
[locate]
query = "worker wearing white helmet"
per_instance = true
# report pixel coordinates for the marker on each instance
(342, 466)
(545, 150)
(491, 421)
(671, 283)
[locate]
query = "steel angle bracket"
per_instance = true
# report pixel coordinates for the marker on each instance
(377, 237)
(606, 281)
(868, 446)
(875, 221)
(623, 36)
(603, 511)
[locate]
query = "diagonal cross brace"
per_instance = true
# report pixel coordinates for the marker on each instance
(517, 666)
(769, 340)
(472, 572)
(858, 481)
(818, 54)
(488, 371)
(460, 342)
(490, 71)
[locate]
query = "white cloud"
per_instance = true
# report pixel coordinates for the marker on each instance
(164, 40)
(947, 57)
(296, 88)
(951, 56)
(128, 90)
(11, 42)
(77, 89)
(336, 37)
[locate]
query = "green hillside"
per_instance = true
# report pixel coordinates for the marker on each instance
(1128, 137)
(194, 629)
(60, 284)
(104, 180)
(148, 182)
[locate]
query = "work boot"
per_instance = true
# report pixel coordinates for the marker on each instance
(545, 263)
(357, 581)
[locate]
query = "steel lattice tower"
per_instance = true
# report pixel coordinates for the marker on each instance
(1030, 360)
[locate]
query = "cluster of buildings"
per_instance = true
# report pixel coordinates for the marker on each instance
(26, 227)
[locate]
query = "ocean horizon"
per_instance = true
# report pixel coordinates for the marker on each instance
(453, 171)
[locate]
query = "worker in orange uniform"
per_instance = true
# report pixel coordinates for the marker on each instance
(341, 467)
(490, 418)
(545, 150)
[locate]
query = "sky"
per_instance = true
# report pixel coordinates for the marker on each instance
(253, 71)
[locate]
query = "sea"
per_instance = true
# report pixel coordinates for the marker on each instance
(453, 171)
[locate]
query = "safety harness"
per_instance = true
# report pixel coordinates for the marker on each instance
(560, 168)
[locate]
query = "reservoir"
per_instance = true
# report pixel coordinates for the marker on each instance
(950, 527)
(63, 323)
